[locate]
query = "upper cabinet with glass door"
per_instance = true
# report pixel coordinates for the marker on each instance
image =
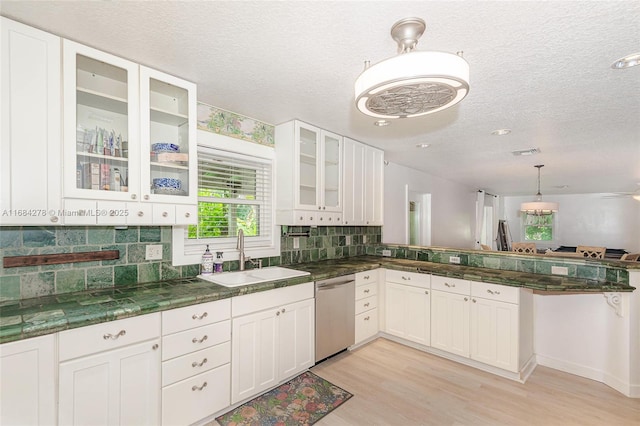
(168, 138)
(101, 135)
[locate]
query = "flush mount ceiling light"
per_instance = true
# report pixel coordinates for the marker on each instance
(627, 62)
(501, 132)
(412, 83)
(538, 206)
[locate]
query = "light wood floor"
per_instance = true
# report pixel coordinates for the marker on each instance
(397, 385)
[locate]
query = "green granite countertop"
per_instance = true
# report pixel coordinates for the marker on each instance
(49, 314)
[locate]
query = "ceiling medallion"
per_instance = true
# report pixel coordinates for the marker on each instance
(412, 83)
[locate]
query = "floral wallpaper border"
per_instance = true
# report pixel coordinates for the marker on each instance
(218, 120)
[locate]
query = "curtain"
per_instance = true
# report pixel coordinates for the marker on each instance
(479, 218)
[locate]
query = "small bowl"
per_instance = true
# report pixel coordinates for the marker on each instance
(165, 147)
(167, 183)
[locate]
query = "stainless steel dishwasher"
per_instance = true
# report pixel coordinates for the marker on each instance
(335, 315)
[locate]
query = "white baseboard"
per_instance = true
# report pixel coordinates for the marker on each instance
(608, 379)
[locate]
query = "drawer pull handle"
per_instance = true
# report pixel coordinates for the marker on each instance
(366, 291)
(366, 305)
(199, 364)
(366, 277)
(406, 278)
(199, 388)
(366, 318)
(283, 310)
(155, 347)
(114, 336)
(195, 340)
(493, 292)
(196, 317)
(449, 285)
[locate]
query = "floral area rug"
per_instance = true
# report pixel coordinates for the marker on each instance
(303, 400)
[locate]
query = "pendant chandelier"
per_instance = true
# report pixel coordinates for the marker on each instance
(412, 83)
(538, 206)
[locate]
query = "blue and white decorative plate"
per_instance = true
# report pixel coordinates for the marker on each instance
(165, 147)
(167, 183)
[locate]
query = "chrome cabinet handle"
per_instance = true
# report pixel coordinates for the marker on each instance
(277, 313)
(196, 317)
(473, 300)
(187, 214)
(114, 336)
(134, 196)
(449, 285)
(146, 197)
(195, 340)
(366, 318)
(155, 347)
(465, 299)
(366, 277)
(426, 292)
(54, 219)
(406, 278)
(366, 305)
(493, 292)
(140, 214)
(366, 291)
(283, 310)
(165, 214)
(199, 364)
(199, 388)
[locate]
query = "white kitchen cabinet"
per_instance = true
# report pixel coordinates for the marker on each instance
(273, 338)
(497, 324)
(115, 110)
(27, 382)
(366, 309)
(450, 310)
(407, 306)
(363, 173)
(309, 174)
(196, 369)
(31, 135)
(109, 373)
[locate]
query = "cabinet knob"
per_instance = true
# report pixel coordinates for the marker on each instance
(114, 336)
(301, 217)
(319, 208)
(466, 298)
(473, 300)
(199, 364)
(367, 222)
(54, 219)
(329, 219)
(155, 347)
(426, 292)
(283, 310)
(278, 313)
(195, 340)
(311, 218)
(199, 317)
(324, 208)
(140, 213)
(187, 214)
(199, 388)
(165, 214)
(146, 196)
(346, 223)
(134, 196)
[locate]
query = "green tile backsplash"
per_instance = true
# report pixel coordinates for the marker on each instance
(33, 281)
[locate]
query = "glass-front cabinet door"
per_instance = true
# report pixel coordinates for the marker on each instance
(308, 152)
(168, 138)
(331, 172)
(101, 116)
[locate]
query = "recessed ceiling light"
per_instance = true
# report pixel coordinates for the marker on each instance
(627, 62)
(501, 132)
(381, 123)
(530, 151)
(561, 186)
(422, 145)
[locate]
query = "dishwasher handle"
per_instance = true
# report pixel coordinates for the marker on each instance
(334, 282)
(331, 286)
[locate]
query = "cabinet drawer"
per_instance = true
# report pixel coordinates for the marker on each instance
(195, 339)
(366, 277)
(451, 285)
(255, 302)
(195, 316)
(195, 363)
(106, 336)
(366, 304)
(366, 325)
(366, 290)
(408, 278)
(190, 400)
(497, 292)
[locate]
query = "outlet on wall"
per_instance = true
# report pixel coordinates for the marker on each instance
(153, 252)
(454, 259)
(559, 270)
(348, 240)
(296, 242)
(386, 252)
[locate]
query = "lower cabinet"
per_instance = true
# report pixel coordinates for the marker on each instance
(366, 308)
(408, 306)
(450, 312)
(110, 373)
(273, 338)
(27, 382)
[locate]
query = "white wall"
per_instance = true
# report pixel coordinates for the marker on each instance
(452, 207)
(585, 219)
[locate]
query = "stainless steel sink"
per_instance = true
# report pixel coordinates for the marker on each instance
(253, 276)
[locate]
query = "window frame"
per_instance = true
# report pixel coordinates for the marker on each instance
(189, 252)
(553, 226)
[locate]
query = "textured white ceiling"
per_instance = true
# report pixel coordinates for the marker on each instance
(539, 68)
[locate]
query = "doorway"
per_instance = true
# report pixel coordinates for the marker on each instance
(418, 218)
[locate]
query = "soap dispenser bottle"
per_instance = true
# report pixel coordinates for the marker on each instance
(207, 262)
(217, 264)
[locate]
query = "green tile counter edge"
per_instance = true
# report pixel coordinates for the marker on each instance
(33, 317)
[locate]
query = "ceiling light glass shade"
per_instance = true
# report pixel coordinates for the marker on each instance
(539, 207)
(412, 84)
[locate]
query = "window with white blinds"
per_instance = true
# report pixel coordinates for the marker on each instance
(235, 192)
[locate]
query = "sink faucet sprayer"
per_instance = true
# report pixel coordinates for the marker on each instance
(240, 247)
